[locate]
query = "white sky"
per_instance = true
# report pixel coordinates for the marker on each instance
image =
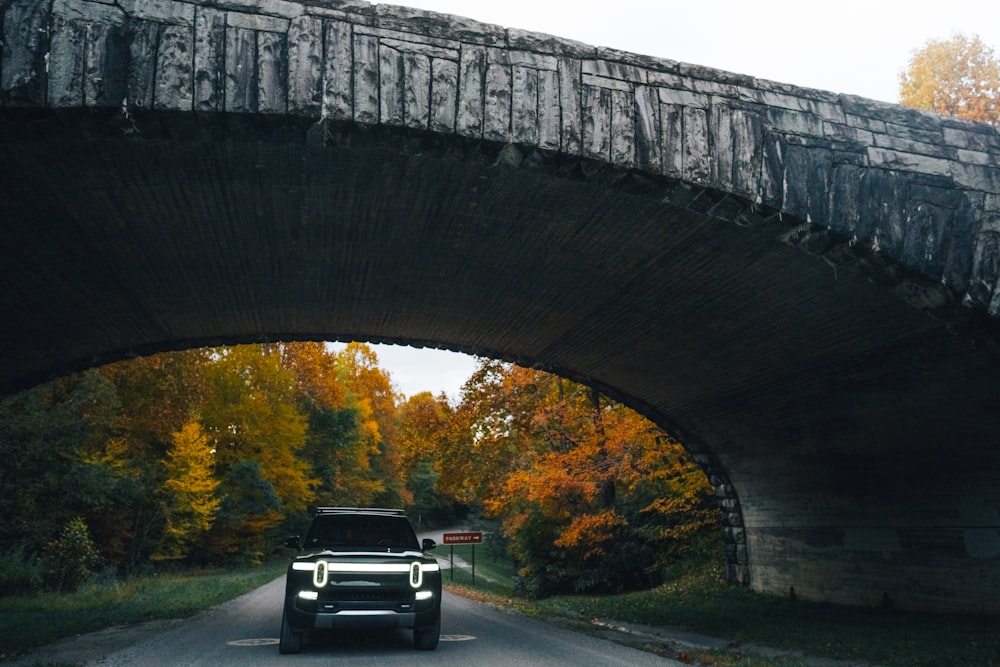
(851, 46)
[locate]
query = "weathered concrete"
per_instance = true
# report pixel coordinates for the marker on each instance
(802, 285)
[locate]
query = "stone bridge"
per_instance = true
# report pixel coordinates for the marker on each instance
(801, 285)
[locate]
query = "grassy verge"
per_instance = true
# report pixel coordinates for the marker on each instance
(696, 599)
(30, 621)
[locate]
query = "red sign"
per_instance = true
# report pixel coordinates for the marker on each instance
(462, 538)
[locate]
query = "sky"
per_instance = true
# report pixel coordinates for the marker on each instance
(858, 47)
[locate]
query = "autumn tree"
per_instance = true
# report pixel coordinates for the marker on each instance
(257, 430)
(201, 453)
(492, 431)
(371, 390)
(958, 77)
(189, 500)
(580, 483)
(343, 435)
(157, 394)
(424, 431)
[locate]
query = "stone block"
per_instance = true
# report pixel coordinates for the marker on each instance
(524, 105)
(623, 143)
(444, 95)
(721, 141)
(498, 99)
(174, 84)
(160, 11)
(647, 130)
(905, 161)
(143, 38)
(697, 152)
(571, 106)
(392, 84)
(209, 63)
(241, 70)
(417, 81)
(305, 66)
(596, 105)
(535, 42)
(24, 45)
(979, 138)
(471, 81)
(906, 145)
(365, 79)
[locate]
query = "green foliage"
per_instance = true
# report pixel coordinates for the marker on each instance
(19, 573)
(70, 559)
(58, 442)
(244, 525)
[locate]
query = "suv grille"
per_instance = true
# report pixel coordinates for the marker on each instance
(370, 596)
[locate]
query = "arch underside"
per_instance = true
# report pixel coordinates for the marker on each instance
(852, 404)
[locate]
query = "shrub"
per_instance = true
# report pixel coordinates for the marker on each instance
(71, 559)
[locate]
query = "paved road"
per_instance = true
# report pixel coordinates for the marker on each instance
(244, 632)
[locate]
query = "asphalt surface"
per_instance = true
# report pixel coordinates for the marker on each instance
(244, 632)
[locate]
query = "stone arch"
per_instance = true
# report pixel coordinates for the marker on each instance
(774, 272)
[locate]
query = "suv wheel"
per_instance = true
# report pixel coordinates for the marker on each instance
(290, 640)
(427, 638)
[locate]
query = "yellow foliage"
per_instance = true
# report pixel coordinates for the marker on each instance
(954, 77)
(189, 502)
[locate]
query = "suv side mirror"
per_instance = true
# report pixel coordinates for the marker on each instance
(427, 544)
(292, 542)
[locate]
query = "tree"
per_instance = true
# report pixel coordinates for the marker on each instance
(253, 422)
(373, 395)
(954, 77)
(342, 438)
(157, 393)
(57, 444)
(189, 503)
(580, 483)
(424, 429)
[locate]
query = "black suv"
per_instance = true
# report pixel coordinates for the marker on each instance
(361, 568)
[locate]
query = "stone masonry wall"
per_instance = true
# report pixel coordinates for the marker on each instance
(921, 189)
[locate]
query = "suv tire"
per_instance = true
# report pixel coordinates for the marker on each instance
(290, 640)
(427, 638)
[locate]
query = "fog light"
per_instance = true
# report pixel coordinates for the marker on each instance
(425, 595)
(308, 595)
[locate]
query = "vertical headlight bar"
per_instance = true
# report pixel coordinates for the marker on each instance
(321, 574)
(416, 575)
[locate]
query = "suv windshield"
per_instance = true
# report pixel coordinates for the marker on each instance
(361, 531)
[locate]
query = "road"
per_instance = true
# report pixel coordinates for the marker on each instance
(244, 632)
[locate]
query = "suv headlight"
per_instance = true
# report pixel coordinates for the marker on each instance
(321, 574)
(417, 570)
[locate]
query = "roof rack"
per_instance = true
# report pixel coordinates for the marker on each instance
(374, 510)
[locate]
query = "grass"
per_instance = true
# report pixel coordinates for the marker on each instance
(696, 599)
(30, 621)
(693, 598)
